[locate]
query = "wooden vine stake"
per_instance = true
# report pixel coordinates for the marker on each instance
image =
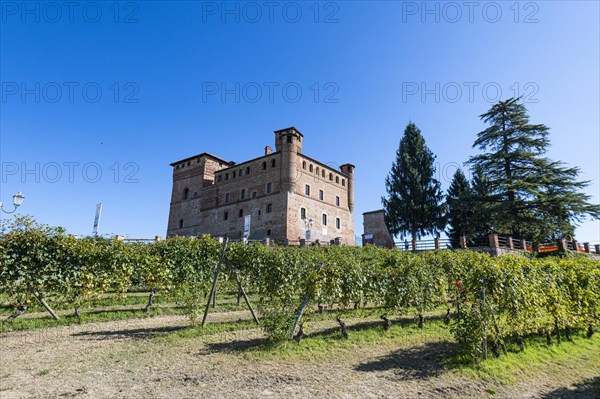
(48, 308)
(303, 307)
(213, 291)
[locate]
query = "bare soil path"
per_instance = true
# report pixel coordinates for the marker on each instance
(123, 359)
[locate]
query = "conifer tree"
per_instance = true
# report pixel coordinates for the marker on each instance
(530, 195)
(413, 206)
(459, 205)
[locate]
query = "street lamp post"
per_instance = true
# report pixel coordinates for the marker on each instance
(17, 201)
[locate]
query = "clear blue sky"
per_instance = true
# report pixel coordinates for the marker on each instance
(130, 88)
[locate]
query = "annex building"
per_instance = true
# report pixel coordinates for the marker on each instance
(288, 196)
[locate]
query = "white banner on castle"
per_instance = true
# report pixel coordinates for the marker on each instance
(247, 220)
(97, 218)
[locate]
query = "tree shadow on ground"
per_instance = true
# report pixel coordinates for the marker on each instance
(586, 389)
(235, 346)
(422, 362)
(136, 333)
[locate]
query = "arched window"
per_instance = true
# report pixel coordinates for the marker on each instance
(323, 173)
(331, 176)
(310, 168)
(186, 193)
(181, 223)
(317, 171)
(303, 164)
(344, 182)
(337, 179)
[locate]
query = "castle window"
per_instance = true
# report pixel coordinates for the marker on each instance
(310, 168)
(195, 194)
(303, 164)
(227, 198)
(321, 195)
(219, 178)
(317, 171)
(181, 223)
(344, 182)
(289, 139)
(247, 170)
(331, 176)
(253, 194)
(273, 162)
(259, 212)
(233, 174)
(226, 176)
(338, 223)
(188, 163)
(324, 220)
(269, 208)
(269, 187)
(307, 189)
(243, 194)
(186, 193)
(197, 160)
(176, 166)
(337, 179)
(269, 232)
(323, 173)
(225, 215)
(264, 165)
(337, 200)
(241, 213)
(302, 213)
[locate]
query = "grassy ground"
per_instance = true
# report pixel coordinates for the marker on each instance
(117, 351)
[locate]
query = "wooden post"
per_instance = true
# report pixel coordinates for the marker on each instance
(302, 309)
(586, 246)
(463, 242)
(511, 245)
(414, 245)
(214, 285)
(575, 246)
(242, 291)
(523, 244)
(48, 308)
(494, 241)
(597, 248)
(563, 245)
(436, 243)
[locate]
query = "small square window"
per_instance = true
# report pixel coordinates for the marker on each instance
(269, 208)
(241, 213)
(226, 216)
(269, 187)
(269, 232)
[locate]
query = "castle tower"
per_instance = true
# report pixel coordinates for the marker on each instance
(348, 169)
(289, 143)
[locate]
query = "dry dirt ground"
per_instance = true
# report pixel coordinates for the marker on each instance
(125, 360)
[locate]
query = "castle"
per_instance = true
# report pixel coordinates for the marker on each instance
(289, 196)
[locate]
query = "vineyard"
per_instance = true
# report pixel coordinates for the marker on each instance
(487, 301)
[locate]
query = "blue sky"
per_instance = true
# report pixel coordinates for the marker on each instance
(97, 99)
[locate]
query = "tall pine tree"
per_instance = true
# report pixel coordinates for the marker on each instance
(413, 206)
(459, 205)
(530, 194)
(483, 204)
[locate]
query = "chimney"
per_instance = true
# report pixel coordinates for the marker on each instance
(268, 150)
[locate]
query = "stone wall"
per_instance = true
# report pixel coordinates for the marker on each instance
(375, 230)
